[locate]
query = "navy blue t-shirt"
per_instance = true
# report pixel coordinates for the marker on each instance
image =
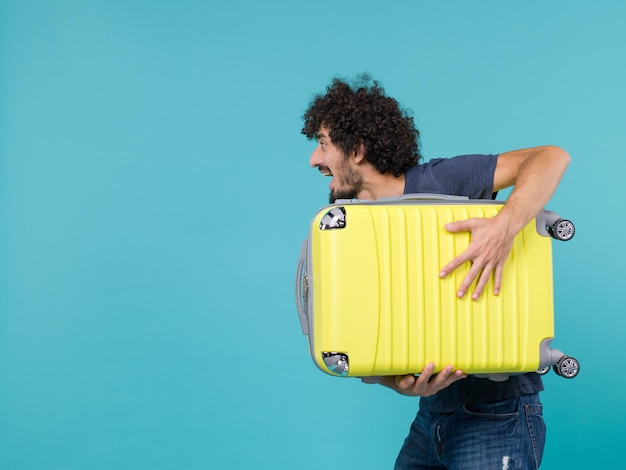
(465, 175)
(471, 176)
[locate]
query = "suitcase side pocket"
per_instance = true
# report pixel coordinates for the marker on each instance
(302, 289)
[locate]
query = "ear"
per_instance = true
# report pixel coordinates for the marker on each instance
(359, 153)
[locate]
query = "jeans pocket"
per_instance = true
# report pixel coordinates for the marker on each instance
(536, 429)
(496, 410)
(498, 418)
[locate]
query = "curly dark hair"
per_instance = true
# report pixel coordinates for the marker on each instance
(362, 114)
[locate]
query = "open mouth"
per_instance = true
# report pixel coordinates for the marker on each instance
(325, 171)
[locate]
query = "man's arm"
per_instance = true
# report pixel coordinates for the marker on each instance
(535, 174)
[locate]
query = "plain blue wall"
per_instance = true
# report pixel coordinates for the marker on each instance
(154, 192)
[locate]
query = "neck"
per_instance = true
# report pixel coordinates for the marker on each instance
(379, 185)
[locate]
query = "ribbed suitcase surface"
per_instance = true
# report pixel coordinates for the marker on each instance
(375, 299)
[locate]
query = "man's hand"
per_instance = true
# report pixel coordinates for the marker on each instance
(534, 174)
(424, 385)
(491, 243)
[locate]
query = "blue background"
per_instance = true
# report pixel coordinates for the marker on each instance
(155, 190)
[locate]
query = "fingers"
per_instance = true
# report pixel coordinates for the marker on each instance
(427, 384)
(476, 270)
(497, 283)
(482, 276)
(445, 378)
(454, 227)
(452, 265)
(405, 382)
(416, 385)
(460, 226)
(485, 275)
(486, 257)
(483, 280)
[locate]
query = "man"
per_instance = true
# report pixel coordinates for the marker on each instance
(370, 148)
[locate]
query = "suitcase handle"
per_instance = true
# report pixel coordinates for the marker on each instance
(406, 197)
(301, 289)
(431, 197)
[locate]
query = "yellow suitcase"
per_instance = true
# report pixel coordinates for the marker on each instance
(371, 302)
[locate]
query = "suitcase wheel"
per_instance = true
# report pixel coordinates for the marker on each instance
(562, 229)
(543, 370)
(567, 367)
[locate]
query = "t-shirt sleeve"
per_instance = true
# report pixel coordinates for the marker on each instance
(464, 175)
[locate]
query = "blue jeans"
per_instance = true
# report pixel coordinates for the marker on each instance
(503, 435)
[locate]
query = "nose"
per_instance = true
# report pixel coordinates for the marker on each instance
(316, 158)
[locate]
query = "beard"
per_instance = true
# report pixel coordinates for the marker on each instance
(341, 194)
(350, 184)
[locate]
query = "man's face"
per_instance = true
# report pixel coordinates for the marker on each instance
(331, 161)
